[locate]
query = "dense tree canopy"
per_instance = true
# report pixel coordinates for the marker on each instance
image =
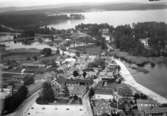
(46, 51)
(28, 80)
(47, 94)
(128, 38)
(12, 102)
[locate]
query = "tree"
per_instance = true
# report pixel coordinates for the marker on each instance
(46, 52)
(84, 74)
(28, 80)
(12, 102)
(47, 94)
(75, 73)
(22, 93)
(75, 97)
(91, 92)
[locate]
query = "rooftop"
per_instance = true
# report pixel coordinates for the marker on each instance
(147, 101)
(156, 110)
(103, 91)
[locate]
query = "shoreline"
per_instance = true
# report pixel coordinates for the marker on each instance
(132, 82)
(140, 61)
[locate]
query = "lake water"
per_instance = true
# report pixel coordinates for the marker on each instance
(116, 18)
(156, 79)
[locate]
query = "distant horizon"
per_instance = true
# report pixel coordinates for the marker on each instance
(38, 3)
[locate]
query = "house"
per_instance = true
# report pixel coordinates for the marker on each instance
(106, 94)
(143, 104)
(156, 111)
(105, 31)
(110, 87)
(75, 86)
(85, 82)
(103, 90)
(145, 42)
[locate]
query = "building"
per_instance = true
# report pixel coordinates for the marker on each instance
(143, 104)
(145, 42)
(109, 87)
(76, 86)
(103, 90)
(156, 111)
(106, 94)
(105, 31)
(85, 82)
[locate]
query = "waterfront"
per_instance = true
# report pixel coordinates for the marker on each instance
(129, 79)
(156, 78)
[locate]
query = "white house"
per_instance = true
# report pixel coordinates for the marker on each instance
(106, 94)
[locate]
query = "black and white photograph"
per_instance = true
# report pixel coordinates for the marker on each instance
(83, 57)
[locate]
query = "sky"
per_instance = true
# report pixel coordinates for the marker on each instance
(22, 3)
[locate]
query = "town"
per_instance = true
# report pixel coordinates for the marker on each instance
(70, 72)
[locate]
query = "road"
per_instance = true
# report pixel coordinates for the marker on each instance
(86, 103)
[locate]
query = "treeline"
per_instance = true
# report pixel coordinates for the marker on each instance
(11, 103)
(28, 21)
(129, 38)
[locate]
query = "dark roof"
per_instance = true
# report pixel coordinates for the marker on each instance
(104, 91)
(156, 110)
(77, 81)
(107, 83)
(110, 80)
(142, 101)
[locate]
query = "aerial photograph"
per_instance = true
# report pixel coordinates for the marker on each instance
(83, 57)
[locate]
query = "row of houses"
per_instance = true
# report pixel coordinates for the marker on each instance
(107, 91)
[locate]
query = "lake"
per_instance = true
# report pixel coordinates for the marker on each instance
(116, 18)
